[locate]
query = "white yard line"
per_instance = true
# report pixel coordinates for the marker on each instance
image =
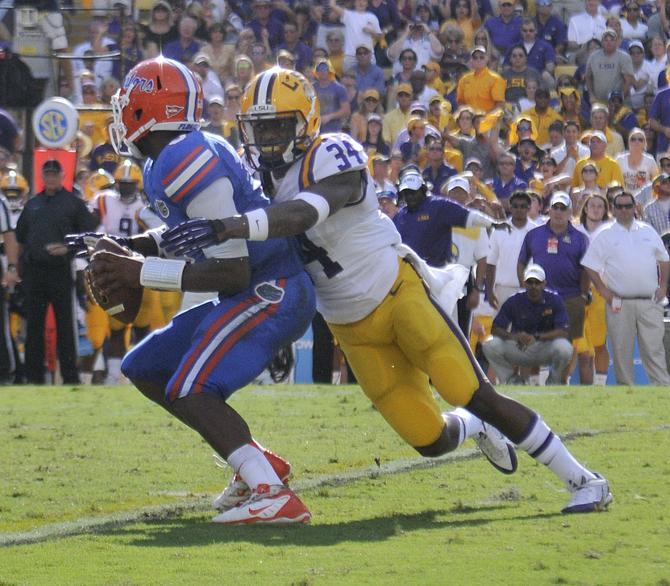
(202, 503)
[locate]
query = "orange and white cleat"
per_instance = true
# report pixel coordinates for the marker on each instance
(238, 491)
(270, 505)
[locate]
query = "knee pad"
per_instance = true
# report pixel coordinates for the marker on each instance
(448, 441)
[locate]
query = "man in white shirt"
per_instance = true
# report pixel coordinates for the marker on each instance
(360, 29)
(502, 280)
(418, 37)
(571, 151)
(586, 25)
(623, 262)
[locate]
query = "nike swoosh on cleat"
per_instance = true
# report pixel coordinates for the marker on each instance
(259, 510)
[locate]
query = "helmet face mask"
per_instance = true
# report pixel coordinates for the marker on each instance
(15, 188)
(272, 141)
(279, 119)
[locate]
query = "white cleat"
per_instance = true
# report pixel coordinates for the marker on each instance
(270, 505)
(238, 491)
(590, 497)
(498, 451)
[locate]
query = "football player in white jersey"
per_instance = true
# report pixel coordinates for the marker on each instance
(394, 334)
(118, 212)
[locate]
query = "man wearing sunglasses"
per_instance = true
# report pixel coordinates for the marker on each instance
(531, 329)
(624, 262)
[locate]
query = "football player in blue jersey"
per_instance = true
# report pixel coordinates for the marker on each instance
(383, 304)
(265, 301)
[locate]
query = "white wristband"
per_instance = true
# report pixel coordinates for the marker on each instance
(318, 202)
(162, 273)
(258, 224)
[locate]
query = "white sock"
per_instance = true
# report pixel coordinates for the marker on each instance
(472, 425)
(547, 448)
(86, 378)
(113, 370)
(252, 465)
(599, 379)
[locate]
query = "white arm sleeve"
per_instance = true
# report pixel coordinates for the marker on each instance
(476, 218)
(216, 202)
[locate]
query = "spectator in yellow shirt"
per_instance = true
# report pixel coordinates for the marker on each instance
(481, 88)
(608, 168)
(542, 115)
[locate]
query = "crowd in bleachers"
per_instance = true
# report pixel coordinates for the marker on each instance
(543, 97)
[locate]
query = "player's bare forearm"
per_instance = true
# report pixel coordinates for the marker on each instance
(225, 275)
(290, 218)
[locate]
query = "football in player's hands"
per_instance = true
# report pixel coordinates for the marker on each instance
(122, 304)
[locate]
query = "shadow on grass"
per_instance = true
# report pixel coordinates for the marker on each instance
(187, 532)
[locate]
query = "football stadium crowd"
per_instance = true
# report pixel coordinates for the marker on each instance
(550, 116)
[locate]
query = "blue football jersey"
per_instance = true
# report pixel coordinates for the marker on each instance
(191, 163)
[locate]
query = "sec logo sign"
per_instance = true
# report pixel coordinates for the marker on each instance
(55, 123)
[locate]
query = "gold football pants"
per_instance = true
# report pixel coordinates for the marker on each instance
(398, 348)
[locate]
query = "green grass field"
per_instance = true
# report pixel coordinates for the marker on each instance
(99, 486)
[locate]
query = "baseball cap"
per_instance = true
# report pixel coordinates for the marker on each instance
(599, 134)
(472, 160)
(52, 165)
(660, 178)
(414, 121)
(363, 46)
(432, 66)
(373, 117)
(609, 32)
(201, 58)
(283, 53)
(478, 49)
(387, 194)
(590, 165)
(379, 158)
(534, 271)
(458, 181)
(162, 4)
(615, 94)
(661, 156)
(371, 93)
(635, 43)
(216, 100)
(404, 87)
(411, 180)
(418, 106)
(560, 197)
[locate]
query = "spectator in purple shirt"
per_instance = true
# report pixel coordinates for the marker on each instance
(425, 222)
(659, 119)
(558, 247)
(550, 28)
(333, 97)
(265, 25)
(506, 183)
(294, 45)
(531, 329)
(368, 75)
(505, 29)
(186, 47)
(541, 55)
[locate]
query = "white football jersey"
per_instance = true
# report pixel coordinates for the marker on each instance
(117, 218)
(350, 256)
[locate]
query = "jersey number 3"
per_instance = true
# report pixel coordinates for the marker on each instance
(344, 153)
